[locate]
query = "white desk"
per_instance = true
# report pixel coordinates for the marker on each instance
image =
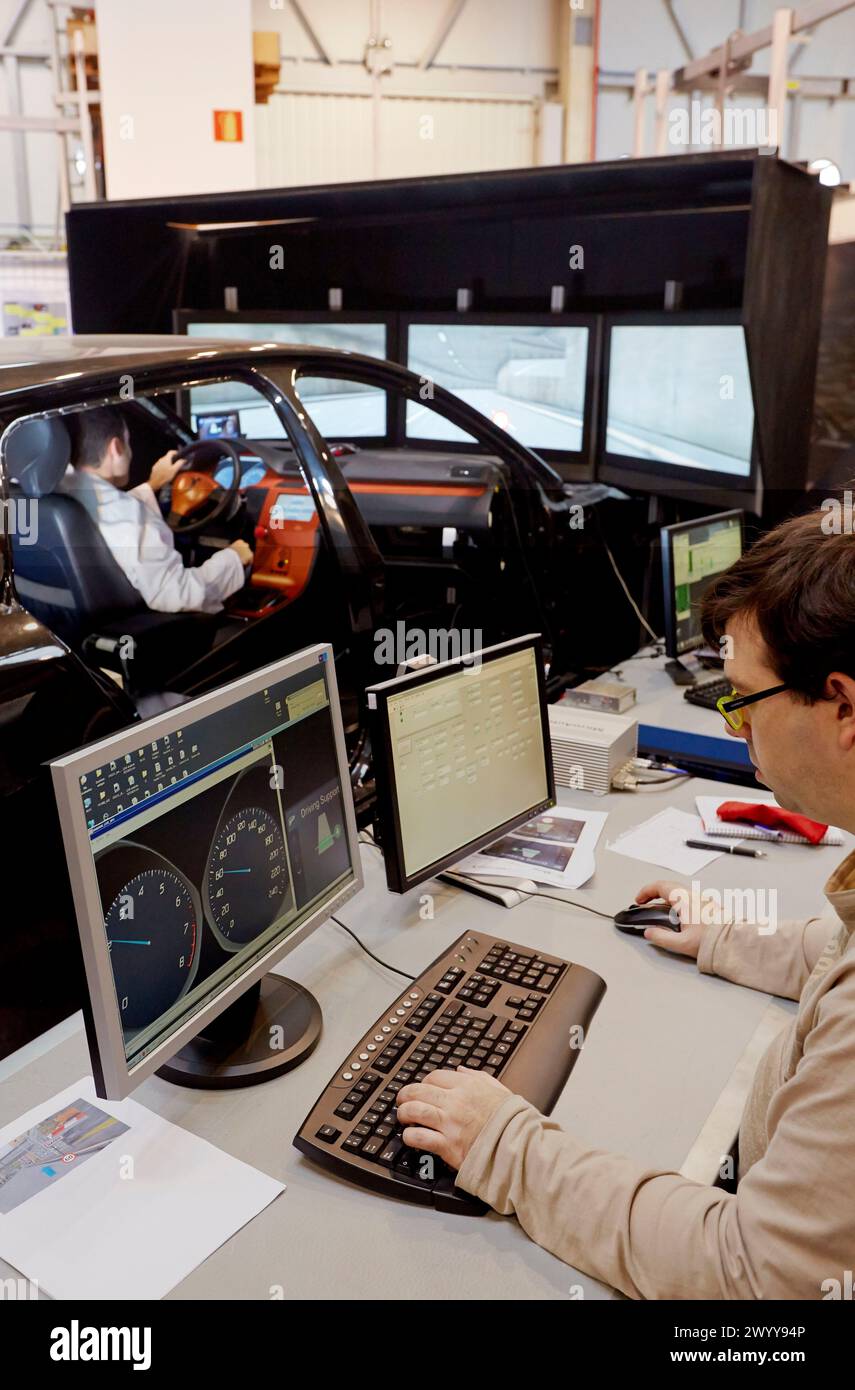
(661, 1078)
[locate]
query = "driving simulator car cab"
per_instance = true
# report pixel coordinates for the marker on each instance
(348, 541)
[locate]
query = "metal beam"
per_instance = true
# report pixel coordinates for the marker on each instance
(311, 34)
(19, 148)
(14, 23)
(745, 46)
(678, 28)
(55, 124)
(782, 28)
(446, 24)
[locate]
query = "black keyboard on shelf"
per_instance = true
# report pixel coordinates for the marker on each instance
(502, 1009)
(708, 693)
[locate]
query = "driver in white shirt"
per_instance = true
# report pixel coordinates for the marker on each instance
(131, 522)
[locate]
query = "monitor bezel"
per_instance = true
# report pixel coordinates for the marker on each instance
(669, 608)
(114, 1078)
(704, 486)
(377, 698)
(574, 463)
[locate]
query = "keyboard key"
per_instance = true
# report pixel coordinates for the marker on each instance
(328, 1133)
(390, 1152)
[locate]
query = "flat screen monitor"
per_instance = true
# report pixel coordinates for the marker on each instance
(202, 846)
(339, 409)
(530, 376)
(678, 404)
(693, 554)
(462, 756)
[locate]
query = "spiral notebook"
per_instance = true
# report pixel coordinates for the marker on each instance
(737, 830)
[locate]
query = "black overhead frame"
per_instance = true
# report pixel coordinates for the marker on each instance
(726, 230)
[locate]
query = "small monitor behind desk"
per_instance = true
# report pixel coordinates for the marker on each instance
(462, 755)
(693, 554)
(203, 846)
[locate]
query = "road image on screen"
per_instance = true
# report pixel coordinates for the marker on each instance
(467, 754)
(339, 408)
(211, 845)
(699, 554)
(529, 380)
(680, 395)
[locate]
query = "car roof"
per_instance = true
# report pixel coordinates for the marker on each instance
(28, 362)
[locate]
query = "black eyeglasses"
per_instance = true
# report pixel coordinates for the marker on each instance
(731, 706)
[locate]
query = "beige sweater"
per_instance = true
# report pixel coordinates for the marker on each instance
(791, 1223)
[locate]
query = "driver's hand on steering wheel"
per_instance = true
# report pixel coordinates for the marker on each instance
(244, 552)
(165, 470)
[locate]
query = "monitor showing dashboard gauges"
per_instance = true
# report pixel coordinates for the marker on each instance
(202, 846)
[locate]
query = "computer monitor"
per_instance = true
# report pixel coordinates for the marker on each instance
(202, 846)
(530, 375)
(693, 554)
(342, 409)
(678, 405)
(462, 755)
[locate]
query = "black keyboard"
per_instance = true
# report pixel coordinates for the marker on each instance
(708, 693)
(506, 1010)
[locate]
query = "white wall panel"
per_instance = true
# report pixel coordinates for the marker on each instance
(313, 138)
(165, 67)
(304, 139)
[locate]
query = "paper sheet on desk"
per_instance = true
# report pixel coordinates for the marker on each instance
(556, 847)
(102, 1234)
(660, 840)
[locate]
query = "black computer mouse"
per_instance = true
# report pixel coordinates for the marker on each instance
(637, 917)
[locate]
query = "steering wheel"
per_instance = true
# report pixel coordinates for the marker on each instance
(196, 484)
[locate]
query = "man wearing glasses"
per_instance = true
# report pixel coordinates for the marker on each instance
(788, 1231)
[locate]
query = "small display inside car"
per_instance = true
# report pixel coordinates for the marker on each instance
(218, 424)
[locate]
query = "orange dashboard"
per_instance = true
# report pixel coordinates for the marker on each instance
(286, 530)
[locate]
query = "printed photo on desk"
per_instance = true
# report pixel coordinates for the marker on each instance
(555, 847)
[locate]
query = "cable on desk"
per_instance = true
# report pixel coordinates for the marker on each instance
(569, 902)
(370, 840)
(363, 947)
(528, 893)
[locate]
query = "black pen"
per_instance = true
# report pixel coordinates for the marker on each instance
(727, 849)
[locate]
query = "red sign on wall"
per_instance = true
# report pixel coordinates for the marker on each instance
(228, 126)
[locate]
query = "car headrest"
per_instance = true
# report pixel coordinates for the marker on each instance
(36, 453)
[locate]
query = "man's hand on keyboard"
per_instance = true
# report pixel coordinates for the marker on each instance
(445, 1113)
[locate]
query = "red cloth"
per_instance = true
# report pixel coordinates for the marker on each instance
(773, 817)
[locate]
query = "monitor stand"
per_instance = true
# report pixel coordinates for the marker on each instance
(271, 1028)
(507, 892)
(680, 674)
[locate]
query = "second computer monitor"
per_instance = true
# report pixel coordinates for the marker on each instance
(693, 554)
(462, 755)
(532, 376)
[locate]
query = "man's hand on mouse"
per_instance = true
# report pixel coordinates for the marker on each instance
(686, 941)
(445, 1113)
